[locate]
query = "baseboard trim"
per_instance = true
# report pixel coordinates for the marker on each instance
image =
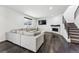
(3, 41)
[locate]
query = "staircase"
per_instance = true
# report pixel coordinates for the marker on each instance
(73, 33)
(71, 28)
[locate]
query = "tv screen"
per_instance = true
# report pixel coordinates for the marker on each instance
(42, 22)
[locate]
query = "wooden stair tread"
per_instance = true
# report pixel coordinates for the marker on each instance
(73, 31)
(74, 34)
(72, 25)
(73, 28)
(74, 41)
(73, 37)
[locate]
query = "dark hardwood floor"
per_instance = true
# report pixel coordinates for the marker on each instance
(54, 43)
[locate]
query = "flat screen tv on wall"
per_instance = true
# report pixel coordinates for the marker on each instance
(42, 22)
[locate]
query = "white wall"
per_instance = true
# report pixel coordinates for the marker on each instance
(64, 33)
(77, 12)
(2, 23)
(49, 21)
(69, 14)
(15, 20)
(76, 20)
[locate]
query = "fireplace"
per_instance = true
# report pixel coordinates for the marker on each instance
(55, 28)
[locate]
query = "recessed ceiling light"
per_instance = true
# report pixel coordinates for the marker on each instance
(50, 8)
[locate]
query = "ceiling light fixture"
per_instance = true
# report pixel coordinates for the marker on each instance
(50, 8)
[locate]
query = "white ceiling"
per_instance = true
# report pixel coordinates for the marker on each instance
(39, 10)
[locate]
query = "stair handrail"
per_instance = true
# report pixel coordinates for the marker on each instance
(75, 14)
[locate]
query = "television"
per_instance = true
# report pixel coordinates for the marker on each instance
(42, 22)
